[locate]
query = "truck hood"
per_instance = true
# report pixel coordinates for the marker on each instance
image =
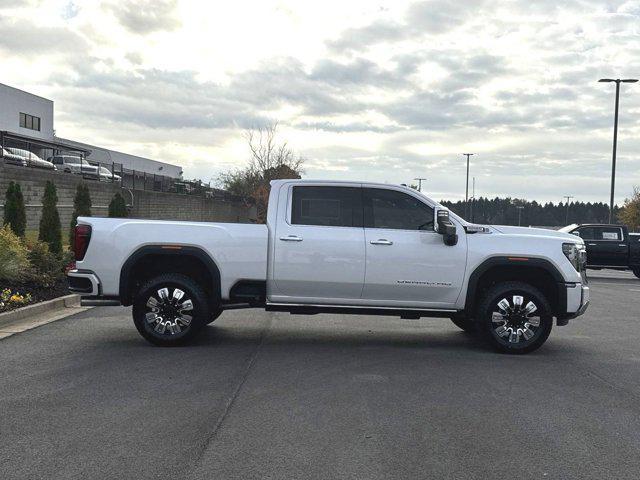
(536, 232)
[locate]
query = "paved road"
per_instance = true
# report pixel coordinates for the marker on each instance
(280, 396)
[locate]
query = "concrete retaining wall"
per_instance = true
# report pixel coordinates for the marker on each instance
(146, 204)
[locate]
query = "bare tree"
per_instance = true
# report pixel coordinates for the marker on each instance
(270, 160)
(267, 155)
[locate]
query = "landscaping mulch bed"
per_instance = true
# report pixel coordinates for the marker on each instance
(39, 293)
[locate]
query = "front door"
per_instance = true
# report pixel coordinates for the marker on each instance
(319, 246)
(407, 262)
(605, 245)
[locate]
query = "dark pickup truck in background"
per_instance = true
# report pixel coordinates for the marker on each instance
(609, 246)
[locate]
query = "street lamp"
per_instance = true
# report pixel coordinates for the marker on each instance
(566, 220)
(420, 183)
(615, 136)
(520, 208)
(466, 195)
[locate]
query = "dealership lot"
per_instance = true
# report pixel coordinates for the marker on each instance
(265, 395)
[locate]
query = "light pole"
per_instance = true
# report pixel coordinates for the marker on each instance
(615, 137)
(420, 183)
(519, 207)
(466, 195)
(473, 200)
(568, 197)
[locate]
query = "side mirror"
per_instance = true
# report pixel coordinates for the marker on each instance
(445, 227)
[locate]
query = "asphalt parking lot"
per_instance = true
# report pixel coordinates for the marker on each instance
(265, 395)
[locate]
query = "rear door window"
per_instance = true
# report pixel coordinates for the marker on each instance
(326, 206)
(608, 233)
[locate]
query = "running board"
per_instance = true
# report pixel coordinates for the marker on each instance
(406, 313)
(95, 302)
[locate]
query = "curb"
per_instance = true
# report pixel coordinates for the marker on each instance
(39, 308)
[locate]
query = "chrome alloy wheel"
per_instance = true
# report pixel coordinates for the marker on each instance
(169, 313)
(515, 320)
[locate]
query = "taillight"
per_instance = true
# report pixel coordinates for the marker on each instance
(81, 241)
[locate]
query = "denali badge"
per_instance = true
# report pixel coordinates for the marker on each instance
(420, 282)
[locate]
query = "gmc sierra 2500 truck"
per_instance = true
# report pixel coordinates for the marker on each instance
(345, 247)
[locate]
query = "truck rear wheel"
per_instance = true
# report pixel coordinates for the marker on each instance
(514, 317)
(170, 310)
(636, 272)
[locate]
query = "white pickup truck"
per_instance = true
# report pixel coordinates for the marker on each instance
(336, 247)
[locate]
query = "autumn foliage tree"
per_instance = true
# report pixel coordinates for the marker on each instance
(630, 212)
(270, 160)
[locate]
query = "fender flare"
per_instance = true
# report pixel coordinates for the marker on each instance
(511, 261)
(125, 271)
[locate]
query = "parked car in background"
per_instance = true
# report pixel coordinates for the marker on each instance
(609, 246)
(75, 164)
(31, 158)
(107, 176)
(13, 159)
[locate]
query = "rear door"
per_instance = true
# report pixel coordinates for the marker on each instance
(407, 262)
(319, 254)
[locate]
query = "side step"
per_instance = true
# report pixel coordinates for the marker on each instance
(99, 302)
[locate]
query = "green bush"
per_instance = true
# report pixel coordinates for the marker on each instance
(14, 213)
(14, 260)
(50, 229)
(118, 207)
(81, 208)
(46, 266)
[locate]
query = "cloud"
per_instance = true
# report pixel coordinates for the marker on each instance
(425, 17)
(145, 16)
(381, 94)
(21, 37)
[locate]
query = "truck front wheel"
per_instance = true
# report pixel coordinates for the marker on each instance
(214, 316)
(514, 317)
(170, 309)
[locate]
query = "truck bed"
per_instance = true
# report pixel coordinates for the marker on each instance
(238, 250)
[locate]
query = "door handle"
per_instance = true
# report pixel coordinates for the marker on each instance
(381, 241)
(592, 244)
(291, 238)
(622, 244)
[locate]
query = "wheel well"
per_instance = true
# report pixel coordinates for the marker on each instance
(142, 267)
(536, 276)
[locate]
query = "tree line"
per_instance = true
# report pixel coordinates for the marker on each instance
(505, 211)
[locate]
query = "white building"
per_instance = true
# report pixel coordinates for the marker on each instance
(25, 114)
(26, 122)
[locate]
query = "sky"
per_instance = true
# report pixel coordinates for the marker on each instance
(363, 89)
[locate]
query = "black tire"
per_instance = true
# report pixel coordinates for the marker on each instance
(214, 316)
(508, 329)
(636, 272)
(171, 325)
(463, 323)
